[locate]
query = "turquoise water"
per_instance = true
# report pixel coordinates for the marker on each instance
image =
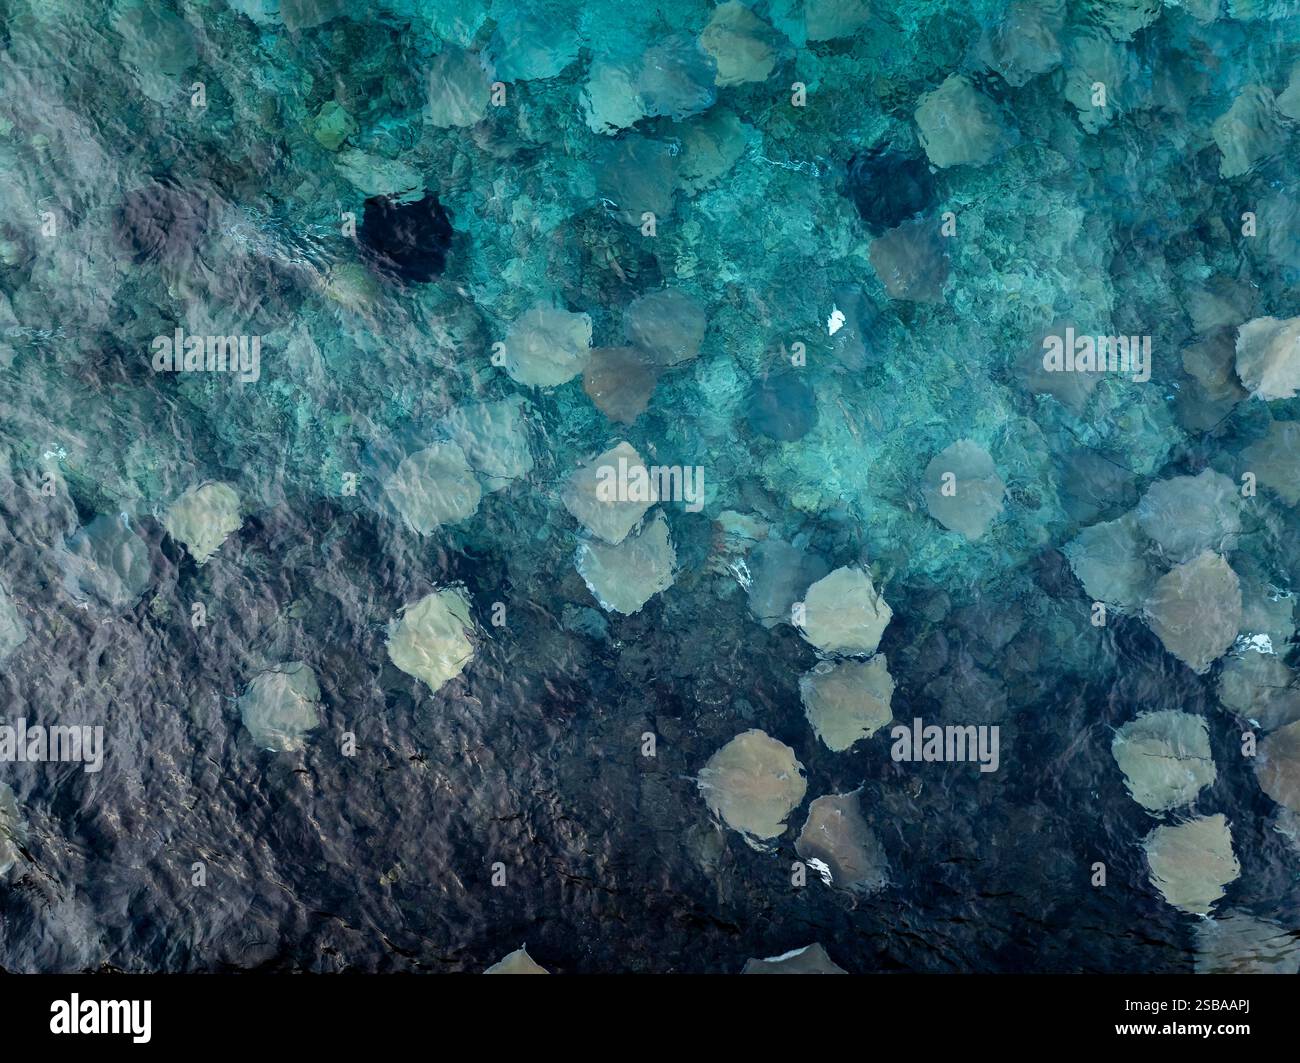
(310, 311)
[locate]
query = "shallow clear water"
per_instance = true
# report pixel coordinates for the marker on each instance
(872, 222)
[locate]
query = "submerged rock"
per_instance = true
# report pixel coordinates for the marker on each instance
(668, 325)
(753, 783)
(811, 959)
(1192, 862)
(740, 43)
(1186, 515)
(1268, 357)
(591, 496)
(547, 346)
(1237, 943)
(280, 706)
(203, 518)
(430, 641)
(624, 577)
(848, 700)
(1195, 610)
(844, 614)
(620, 381)
(433, 487)
(959, 126)
(406, 241)
(911, 261)
(494, 438)
(888, 187)
(838, 844)
(1109, 560)
(782, 407)
(1277, 766)
(518, 962)
(13, 632)
(1165, 758)
(962, 489)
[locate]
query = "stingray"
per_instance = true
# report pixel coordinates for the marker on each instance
(406, 241)
(13, 631)
(962, 489)
(586, 494)
(433, 487)
(430, 640)
(1188, 514)
(848, 700)
(753, 783)
(10, 829)
(1195, 610)
(106, 561)
(811, 959)
(1165, 758)
(1277, 766)
(837, 842)
(203, 518)
(518, 962)
(888, 187)
(161, 221)
(843, 613)
(1192, 862)
(1237, 943)
(624, 577)
(782, 407)
(280, 706)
